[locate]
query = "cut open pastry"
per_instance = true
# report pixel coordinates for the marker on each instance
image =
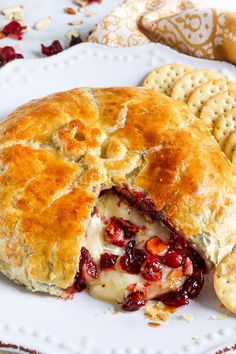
(130, 256)
(121, 191)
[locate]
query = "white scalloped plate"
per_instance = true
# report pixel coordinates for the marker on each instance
(86, 325)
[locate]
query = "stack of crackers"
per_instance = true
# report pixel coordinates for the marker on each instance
(208, 94)
(212, 98)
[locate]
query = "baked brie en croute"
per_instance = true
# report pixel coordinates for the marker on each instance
(120, 190)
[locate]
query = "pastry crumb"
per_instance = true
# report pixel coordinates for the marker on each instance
(75, 22)
(159, 311)
(188, 317)
(154, 324)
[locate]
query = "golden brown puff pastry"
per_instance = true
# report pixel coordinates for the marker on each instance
(59, 153)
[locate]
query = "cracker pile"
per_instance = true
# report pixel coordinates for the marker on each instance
(208, 94)
(224, 281)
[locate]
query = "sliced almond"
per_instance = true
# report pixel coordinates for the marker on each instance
(15, 12)
(43, 24)
(76, 23)
(85, 12)
(81, 3)
(74, 32)
(70, 11)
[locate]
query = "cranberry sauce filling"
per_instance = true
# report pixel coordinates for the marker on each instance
(108, 261)
(87, 270)
(140, 201)
(149, 262)
(133, 258)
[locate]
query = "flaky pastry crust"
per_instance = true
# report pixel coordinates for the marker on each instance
(58, 153)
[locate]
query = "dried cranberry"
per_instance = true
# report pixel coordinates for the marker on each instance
(108, 260)
(188, 267)
(151, 269)
(177, 242)
(133, 258)
(115, 233)
(139, 195)
(8, 54)
(172, 259)
(14, 30)
(75, 40)
(87, 264)
(130, 229)
(175, 298)
(198, 262)
(194, 284)
(119, 229)
(133, 301)
(52, 49)
(156, 247)
(79, 283)
(87, 270)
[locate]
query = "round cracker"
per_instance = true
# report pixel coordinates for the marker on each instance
(225, 281)
(162, 79)
(224, 126)
(230, 145)
(204, 92)
(190, 81)
(217, 106)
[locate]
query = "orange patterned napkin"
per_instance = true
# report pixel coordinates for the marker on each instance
(181, 24)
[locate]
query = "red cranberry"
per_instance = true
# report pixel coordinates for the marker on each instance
(172, 259)
(133, 301)
(52, 49)
(151, 269)
(175, 298)
(138, 195)
(188, 267)
(130, 229)
(107, 260)
(87, 270)
(133, 258)
(194, 285)
(8, 54)
(177, 242)
(14, 30)
(119, 229)
(88, 266)
(114, 233)
(79, 283)
(75, 40)
(156, 247)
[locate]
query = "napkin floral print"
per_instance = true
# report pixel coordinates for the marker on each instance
(206, 33)
(120, 28)
(201, 32)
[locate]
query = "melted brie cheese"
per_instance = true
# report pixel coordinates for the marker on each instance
(112, 284)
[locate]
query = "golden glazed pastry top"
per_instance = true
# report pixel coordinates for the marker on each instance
(59, 152)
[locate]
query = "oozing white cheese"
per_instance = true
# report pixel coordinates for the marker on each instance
(111, 284)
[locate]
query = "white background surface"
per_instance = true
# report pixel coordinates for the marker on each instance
(86, 325)
(35, 10)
